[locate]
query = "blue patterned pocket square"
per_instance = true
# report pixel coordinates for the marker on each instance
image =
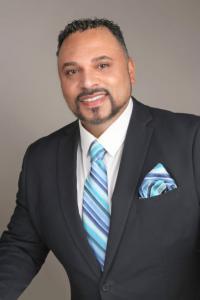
(156, 182)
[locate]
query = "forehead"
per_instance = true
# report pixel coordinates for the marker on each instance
(97, 41)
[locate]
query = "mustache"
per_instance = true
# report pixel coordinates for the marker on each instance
(89, 92)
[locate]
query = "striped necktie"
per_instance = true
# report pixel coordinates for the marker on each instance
(96, 209)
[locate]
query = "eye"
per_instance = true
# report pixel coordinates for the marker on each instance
(103, 66)
(70, 72)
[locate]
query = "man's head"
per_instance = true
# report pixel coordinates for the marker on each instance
(95, 70)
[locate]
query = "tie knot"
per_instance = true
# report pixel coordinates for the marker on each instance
(96, 151)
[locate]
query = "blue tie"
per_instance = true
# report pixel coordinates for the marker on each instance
(96, 209)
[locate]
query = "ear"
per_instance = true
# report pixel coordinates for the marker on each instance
(131, 70)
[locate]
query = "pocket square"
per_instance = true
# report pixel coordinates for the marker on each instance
(158, 181)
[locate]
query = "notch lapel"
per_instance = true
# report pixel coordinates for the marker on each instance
(67, 158)
(135, 149)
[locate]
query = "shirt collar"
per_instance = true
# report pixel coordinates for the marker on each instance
(116, 133)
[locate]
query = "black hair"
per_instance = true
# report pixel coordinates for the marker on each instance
(84, 24)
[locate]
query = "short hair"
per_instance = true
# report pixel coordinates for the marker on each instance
(84, 24)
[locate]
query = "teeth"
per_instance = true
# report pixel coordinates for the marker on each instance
(92, 99)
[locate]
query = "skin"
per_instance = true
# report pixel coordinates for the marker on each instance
(96, 77)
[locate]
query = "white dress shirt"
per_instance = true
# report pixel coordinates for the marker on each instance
(113, 141)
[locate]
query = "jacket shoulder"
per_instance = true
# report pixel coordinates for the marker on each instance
(171, 120)
(49, 143)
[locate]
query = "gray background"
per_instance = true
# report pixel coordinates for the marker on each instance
(162, 37)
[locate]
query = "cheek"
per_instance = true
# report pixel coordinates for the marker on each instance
(68, 95)
(120, 83)
(114, 82)
(68, 89)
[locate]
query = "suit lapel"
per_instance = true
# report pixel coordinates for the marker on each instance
(67, 157)
(135, 149)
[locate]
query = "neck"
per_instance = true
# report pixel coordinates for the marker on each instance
(96, 129)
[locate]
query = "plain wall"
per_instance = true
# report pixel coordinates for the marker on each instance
(163, 38)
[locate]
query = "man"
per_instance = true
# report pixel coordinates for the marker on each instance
(115, 195)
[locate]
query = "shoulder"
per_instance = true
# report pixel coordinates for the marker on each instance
(47, 145)
(170, 129)
(170, 121)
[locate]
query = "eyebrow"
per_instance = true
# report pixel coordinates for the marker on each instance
(96, 59)
(101, 58)
(68, 64)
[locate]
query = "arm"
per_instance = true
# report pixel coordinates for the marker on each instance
(196, 165)
(196, 161)
(22, 252)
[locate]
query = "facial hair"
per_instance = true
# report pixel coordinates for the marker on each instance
(96, 120)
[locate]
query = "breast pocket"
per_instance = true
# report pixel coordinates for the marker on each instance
(166, 218)
(161, 197)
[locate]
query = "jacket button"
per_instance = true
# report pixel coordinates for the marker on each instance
(106, 287)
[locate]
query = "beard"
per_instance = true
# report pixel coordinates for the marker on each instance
(96, 118)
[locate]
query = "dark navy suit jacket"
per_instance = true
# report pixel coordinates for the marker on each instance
(153, 248)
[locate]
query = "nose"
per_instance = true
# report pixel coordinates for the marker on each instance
(89, 79)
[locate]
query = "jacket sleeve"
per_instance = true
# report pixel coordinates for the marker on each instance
(196, 161)
(22, 252)
(196, 164)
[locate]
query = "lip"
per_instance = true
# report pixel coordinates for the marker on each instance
(84, 98)
(93, 100)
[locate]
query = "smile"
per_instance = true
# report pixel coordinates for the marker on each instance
(92, 98)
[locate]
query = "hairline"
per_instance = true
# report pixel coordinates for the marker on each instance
(97, 27)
